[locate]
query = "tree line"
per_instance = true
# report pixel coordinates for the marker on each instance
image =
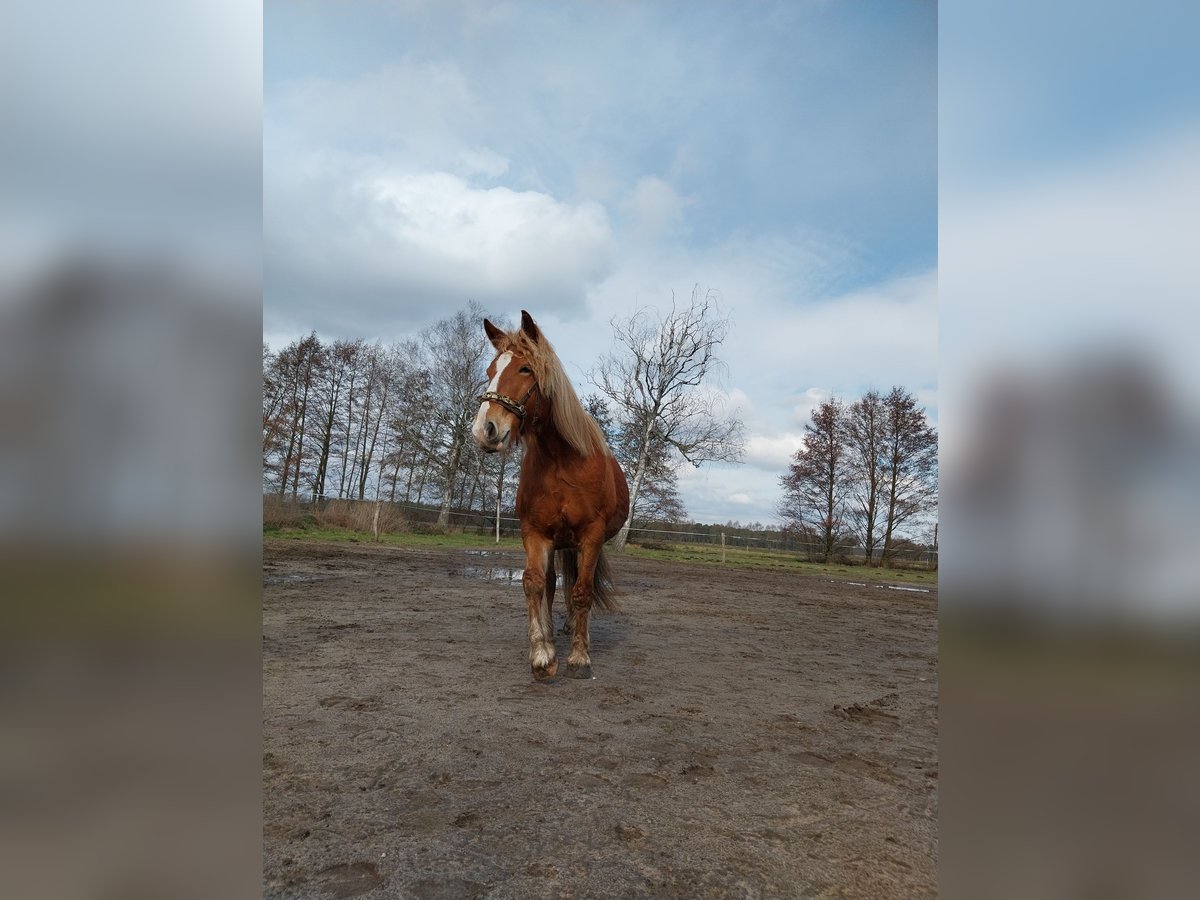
(351, 419)
(355, 420)
(864, 471)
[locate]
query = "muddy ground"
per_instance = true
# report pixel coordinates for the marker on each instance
(747, 734)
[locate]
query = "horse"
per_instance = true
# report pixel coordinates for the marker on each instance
(572, 495)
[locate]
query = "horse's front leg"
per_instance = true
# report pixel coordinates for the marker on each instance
(538, 556)
(579, 606)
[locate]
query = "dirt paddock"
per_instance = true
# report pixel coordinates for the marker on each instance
(747, 734)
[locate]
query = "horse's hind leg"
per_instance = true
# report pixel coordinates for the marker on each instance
(541, 629)
(570, 560)
(579, 663)
(551, 578)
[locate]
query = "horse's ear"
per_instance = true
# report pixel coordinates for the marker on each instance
(529, 326)
(494, 334)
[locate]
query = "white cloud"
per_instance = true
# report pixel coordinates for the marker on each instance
(408, 244)
(773, 453)
(878, 336)
(722, 492)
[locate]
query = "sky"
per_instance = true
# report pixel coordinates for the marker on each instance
(583, 160)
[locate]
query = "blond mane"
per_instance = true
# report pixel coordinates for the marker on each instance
(573, 422)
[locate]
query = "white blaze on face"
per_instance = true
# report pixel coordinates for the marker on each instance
(480, 424)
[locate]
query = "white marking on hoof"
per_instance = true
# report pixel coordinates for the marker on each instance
(541, 657)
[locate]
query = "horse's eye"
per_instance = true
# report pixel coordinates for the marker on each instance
(525, 370)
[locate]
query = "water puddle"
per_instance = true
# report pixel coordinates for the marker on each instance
(511, 575)
(890, 587)
(505, 574)
(292, 577)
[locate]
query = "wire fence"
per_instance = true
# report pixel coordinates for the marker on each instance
(369, 515)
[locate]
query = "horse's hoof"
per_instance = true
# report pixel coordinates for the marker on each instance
(548, 672)
(584, 671)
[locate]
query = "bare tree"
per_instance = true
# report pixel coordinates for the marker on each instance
(656, 382)
(353, 353)
(814, 488)
(409, 420)
(377, 400)
(456, 355)
(658, 500)
(866, 426)
(295, 371)
(910, 465)
(340, 365)
(275, 393)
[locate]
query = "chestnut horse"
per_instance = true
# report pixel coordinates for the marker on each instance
(572, 496)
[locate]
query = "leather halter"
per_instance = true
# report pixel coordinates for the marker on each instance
(516, 407)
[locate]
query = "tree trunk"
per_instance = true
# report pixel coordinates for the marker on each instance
(396, 476)
(323, 460)
(828, 525)
(869, 539)
(638, 475)
(500, 493)
(623, 535)
(303, 423)
(443, 520)
(891, 524)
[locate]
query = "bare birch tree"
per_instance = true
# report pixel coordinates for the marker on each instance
(657, 384)
(658, 500)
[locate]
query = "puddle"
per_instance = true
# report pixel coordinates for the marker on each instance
(890, 587)
(511, 575)
(292, 577)
(505, 574)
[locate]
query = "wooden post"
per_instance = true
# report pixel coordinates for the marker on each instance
(375, 522)
(722, 548)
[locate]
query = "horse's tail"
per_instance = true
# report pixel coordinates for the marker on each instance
(603, 597)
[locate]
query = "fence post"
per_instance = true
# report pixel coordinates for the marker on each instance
(722, 548)
(375, 522)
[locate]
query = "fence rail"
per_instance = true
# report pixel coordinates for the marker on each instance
(426, 517)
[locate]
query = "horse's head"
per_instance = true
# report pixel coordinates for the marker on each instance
(505, 405)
